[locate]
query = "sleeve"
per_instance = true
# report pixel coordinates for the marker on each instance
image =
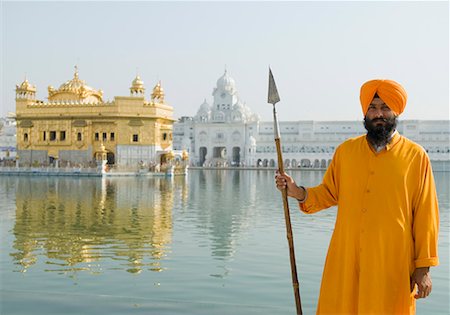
(426, 219)
(324, 195)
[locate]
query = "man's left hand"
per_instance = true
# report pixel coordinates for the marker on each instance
(421, 277)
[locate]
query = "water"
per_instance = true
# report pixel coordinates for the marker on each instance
(211, 243)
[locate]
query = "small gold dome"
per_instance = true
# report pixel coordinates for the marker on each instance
(137, 87)
(137, 83)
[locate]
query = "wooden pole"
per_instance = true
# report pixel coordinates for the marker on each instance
(287, 218)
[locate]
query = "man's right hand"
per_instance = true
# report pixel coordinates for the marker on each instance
(284, 181)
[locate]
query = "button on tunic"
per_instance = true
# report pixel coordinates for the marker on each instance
(386, 226)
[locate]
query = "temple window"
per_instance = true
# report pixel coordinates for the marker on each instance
(135, 138)
(164, 136)
(52, 135)
(62, 135)
(44, 136)
(79, 137)
(25, 137)
(112, 136)
(96, 138)
(104, 136)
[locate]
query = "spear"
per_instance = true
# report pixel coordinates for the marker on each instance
(274, 98)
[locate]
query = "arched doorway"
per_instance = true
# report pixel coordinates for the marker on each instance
(203, 151)
(294, 163)
(316, 163)
(272, 163)
(110, 158)
(219, 152)
(236, 156)
(305, 163)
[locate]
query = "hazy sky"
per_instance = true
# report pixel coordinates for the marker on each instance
(320, 52)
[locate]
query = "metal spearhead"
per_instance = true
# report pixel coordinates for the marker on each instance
(273, 97)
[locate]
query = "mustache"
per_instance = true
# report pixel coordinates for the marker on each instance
(379, 119)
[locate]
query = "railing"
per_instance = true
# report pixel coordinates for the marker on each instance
(93, 171)
(63, 171)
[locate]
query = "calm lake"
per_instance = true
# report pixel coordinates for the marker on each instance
(213, 242)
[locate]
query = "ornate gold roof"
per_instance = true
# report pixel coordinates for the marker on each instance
(75, 89)
(158, 93)
(25, 86)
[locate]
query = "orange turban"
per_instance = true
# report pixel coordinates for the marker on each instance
(392, 93)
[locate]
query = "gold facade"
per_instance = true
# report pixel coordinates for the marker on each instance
(75, 122)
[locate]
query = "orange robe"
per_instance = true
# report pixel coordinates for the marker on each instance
(386, 226)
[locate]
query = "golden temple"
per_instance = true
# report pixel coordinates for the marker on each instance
(76, 123)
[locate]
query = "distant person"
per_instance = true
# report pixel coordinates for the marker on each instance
(386, 232)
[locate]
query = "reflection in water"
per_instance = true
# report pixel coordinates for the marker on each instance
(224, 207)
(90, 224)
(71, 224)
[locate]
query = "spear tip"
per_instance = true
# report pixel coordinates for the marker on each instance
(273, 96)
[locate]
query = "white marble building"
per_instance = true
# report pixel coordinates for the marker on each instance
(226, 133)
(220, 133)
(8, 137)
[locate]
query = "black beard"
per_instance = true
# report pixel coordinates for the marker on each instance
(380, 135)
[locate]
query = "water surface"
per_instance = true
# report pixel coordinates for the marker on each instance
(211, 243)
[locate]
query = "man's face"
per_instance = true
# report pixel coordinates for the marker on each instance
(379, 121)
(379, 113)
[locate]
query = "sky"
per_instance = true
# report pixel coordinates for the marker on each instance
(320, 52)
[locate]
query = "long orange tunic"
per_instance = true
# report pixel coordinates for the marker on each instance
(386, 226)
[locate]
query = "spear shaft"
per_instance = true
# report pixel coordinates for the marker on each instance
(273, 99)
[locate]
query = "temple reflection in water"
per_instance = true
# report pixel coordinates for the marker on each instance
(90, 224)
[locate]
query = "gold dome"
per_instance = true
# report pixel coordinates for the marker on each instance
(137, 86)
(75, 89)
(137, 83)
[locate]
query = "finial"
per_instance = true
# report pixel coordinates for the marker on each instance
(76, 72)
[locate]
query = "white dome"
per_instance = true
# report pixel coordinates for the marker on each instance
(204, 107)
(226, 82)
(204, 112)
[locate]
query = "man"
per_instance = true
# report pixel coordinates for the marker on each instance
(386, 231)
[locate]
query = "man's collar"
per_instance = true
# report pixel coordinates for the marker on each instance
(395, 137)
